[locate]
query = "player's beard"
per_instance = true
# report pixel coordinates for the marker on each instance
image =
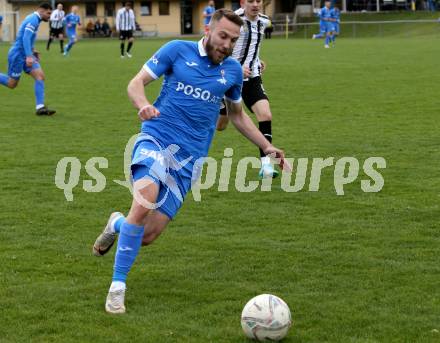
(215, 54)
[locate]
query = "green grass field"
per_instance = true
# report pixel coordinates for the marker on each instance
(363, 267)
(417, 24)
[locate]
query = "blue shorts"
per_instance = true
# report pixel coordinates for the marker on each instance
(329, 26)
(336, 27)
(17, 64)
(170, 171)
(322, 27)
(71, 34)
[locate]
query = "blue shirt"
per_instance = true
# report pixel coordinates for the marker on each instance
(326, 13)
(71, 20)
(1, 19)
(209, 10)
(24, 43)
(191, 94)
(336, 14)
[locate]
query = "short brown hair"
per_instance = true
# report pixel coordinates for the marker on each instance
(228, 14)
(45, 5)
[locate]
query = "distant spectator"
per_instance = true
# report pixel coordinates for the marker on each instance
(1, 21)
(90, 28)
(106, 28)
(98, 28)
(138, 27)
(208, 12)
(268, 30)
(431, 5)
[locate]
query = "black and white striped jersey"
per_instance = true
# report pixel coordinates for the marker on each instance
(125, 20)
(56, 19)
(247, 48)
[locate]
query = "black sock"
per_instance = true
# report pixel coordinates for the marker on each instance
(48, 43)
(266, 129)
(122, 49)
(62, 45)
(130, 44)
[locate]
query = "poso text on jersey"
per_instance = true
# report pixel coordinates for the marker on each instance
(197, 93)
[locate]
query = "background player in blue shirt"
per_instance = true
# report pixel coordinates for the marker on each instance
(322, 27)
(336, 16)
(326, 15)
(176, 134)
(71, 21)
(23, 57)
(208, 12)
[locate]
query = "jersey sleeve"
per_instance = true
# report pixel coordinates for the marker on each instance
(27, 37)
(162, 61)
(233, 94)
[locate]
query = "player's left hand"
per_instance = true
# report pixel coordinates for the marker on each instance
(246, 72)
(263, 66)
(147, 112)
(29, 61)
(279, 157)
(37, 55)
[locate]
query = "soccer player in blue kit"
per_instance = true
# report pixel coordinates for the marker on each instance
(71, 21)
(208, 12)
(23, 57)
(327, 20)
(336, 15)
(176, 133)
(322, 27)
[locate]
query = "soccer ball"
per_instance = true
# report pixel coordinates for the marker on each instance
(266, 317)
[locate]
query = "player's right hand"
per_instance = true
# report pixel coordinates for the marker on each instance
(29, 61)
(246, 72)
(147, 112)
(279, 157)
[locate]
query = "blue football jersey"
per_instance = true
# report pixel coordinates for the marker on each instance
(325, 13)
(191, 94)
(336, 14)
(209, 11)
(24, 43)
(71, 20)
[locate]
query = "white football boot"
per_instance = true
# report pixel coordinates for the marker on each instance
(267, 170)
(114, 303)
(107, 238)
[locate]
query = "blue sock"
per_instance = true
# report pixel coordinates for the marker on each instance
(39, 92)
(129, 243)
(319, 35)
(117, 225)
(327, 38)
(4, 79)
